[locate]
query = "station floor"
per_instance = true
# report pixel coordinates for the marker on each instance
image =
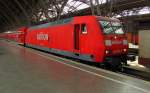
(24, 70)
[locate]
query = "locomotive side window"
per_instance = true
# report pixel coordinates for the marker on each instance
(83, 29)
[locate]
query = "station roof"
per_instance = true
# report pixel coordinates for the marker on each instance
(15, 13)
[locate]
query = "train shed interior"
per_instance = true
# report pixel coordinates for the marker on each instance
(33, 68)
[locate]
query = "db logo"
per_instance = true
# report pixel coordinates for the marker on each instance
(42, 36)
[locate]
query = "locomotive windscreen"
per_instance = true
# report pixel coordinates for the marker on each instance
(111, 27)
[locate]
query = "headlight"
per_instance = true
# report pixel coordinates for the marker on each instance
(124, 50)
(125, 42)
(108, 51)
(108, 42)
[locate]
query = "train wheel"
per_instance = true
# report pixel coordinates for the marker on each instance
(114, 64)
(101, 65)
(124, 60)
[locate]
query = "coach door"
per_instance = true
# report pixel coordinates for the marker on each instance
(77, 37)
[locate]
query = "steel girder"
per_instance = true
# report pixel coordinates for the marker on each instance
(27, 12)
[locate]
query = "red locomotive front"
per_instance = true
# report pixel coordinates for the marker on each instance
(116, 44)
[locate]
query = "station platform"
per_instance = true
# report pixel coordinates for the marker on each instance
(136, 69)
(135, 65)
(24, 70)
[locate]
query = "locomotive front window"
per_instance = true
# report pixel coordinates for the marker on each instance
(110, 27)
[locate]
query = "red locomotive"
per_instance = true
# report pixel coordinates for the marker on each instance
(89, 38)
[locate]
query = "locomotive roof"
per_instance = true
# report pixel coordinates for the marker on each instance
(107, 19)
(63, 21)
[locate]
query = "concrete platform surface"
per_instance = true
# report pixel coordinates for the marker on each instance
(23, 70)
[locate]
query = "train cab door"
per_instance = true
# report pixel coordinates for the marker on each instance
(77, 38)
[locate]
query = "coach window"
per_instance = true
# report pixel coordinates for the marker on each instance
(84, 29)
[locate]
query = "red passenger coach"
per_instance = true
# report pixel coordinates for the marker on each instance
(17, 36)
(89, 38)
(22, 35)
(13, 36)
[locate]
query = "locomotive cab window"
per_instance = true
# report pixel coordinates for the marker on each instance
(110, 27)
(83, 29)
